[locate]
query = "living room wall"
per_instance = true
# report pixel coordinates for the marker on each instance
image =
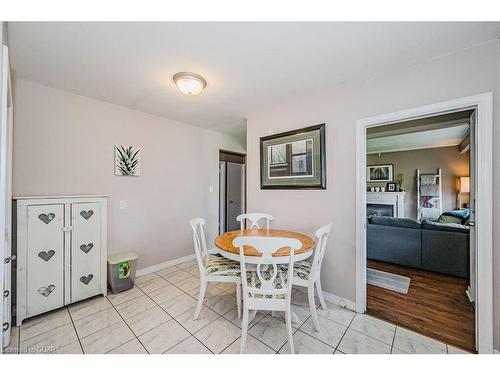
(64, 145)
(459, 74)
(449, 159)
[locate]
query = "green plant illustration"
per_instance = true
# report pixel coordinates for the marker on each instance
(127, 160)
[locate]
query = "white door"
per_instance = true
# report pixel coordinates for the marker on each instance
(85, 250)
(5, 198)
(45, 258)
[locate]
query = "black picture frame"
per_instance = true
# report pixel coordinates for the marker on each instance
(312, 174)
(391, 186)
(390, 173)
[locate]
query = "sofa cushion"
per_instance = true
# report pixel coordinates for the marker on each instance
(462, 214)
(395, 222)
(449, 219)
(445, 227)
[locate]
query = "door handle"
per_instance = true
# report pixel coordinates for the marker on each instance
(5, 327)
(6, 293)
(7, 260)
(231, 201)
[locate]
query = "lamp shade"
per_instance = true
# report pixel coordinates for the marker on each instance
(464, 185)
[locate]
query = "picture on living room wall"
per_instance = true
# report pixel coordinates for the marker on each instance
(380, 173)
(127, 160)
(294, 160)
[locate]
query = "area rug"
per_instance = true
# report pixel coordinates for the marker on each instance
(386, 280)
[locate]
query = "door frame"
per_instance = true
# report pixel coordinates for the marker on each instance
(483, 103)
(223, 187)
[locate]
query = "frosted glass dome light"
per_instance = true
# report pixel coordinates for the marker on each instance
(190, 83)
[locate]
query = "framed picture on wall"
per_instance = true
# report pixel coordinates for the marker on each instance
(380, 173)
(294, 160)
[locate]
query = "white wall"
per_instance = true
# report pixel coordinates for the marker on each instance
(64, 144)
(464, 73)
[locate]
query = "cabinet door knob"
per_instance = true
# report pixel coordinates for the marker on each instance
(7, 260)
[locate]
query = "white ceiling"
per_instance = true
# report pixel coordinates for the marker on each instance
(442, 137)
(248, 66)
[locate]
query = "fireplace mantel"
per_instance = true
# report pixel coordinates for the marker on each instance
(395, 199)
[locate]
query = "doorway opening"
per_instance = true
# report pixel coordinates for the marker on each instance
(232, 189)
(428, 271)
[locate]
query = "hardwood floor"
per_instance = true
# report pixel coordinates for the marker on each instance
(435, 306)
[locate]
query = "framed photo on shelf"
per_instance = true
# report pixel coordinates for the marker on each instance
(391, 186)
(294, 159)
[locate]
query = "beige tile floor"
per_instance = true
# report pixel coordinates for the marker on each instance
(157, 317)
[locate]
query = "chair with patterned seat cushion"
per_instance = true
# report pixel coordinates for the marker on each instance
(252, 220)
(213, 268)
(267, 287)
(307, 273)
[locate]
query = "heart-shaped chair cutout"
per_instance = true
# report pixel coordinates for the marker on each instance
(86, 248)
(86, 279)
(87, 214)
(46, 290)
(47, 218)
(46, 255)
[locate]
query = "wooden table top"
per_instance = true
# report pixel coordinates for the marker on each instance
(225, 241)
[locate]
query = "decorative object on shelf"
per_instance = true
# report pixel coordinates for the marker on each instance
(380, 173)
(127, 161)
(400, 179)
(372, 189)
(391, 186)
(382, 189)
(294, 159)
(377, 189)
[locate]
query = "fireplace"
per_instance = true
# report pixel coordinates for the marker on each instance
(374, 209)
(386, 203)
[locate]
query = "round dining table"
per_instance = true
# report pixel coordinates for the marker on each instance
(224, 245)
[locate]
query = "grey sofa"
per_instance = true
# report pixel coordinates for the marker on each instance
(431, 246)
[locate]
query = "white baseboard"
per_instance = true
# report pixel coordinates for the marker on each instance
(332, 298)
(160, 266)
(342, 302)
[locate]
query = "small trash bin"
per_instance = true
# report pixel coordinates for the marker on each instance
(121, 271)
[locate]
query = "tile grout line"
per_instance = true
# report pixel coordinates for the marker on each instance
(337, 347)
(76, 332)
(394, 338)
(131, 330)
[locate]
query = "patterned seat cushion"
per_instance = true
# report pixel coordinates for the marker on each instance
(301, 269)
(253, 281)
(221, 266)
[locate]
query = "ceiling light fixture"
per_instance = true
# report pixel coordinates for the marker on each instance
(190, 83)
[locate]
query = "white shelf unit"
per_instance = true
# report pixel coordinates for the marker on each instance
(431, 194)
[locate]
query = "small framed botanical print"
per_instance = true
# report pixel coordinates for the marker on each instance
(294, 160)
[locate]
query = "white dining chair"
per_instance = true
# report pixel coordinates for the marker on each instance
(213, 268)
(252, 220)
(307, 273)
(268, 287)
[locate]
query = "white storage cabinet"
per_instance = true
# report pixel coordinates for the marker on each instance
(61, 252)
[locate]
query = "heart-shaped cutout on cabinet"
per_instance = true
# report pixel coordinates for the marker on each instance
(46, 290)
(86, 279)
(47, 218)
(46, 255)
(86, 248)
(87, 214)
